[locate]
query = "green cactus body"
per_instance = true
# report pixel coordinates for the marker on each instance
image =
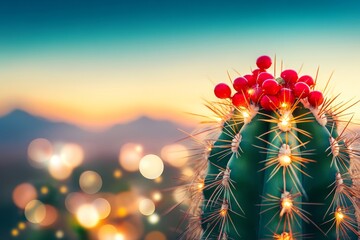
(285, 175)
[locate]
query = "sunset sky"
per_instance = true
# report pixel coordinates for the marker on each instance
(96, 63)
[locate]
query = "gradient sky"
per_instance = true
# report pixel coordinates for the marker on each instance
(96, 62)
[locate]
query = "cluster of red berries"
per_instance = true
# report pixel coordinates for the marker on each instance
(262, 88)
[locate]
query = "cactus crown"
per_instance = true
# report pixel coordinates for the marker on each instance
(276, 166)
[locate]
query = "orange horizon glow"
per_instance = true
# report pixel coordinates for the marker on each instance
(99, 121)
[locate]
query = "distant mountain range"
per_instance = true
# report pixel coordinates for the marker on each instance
(18, 128)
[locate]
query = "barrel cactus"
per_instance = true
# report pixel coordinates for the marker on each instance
(281, 165)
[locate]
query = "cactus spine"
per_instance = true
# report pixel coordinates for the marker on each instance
(279, 169)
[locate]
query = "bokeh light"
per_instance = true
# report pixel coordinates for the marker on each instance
(107, 232)
(58, 169)
(72, 154)
(40, 151)
(156, 196)
(51, 215)
(151, 166)
(130, 155)
(87, 216)
(74, 200)
(146, 207)
(154, 218)
(125, 203)
(35, 211)
(175, 154)
(23, 194)
(103, 207)
(59, 234)
(155, 235)
(117, 173)
(90, 182)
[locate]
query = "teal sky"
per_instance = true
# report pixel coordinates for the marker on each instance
(113, 48)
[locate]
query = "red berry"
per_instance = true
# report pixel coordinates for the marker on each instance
(240, 84)
(222, 90)
(239, 100)
(256, 73)
(315, 98)
(264, 76)
(290, 76)
(286, 98)
(269, 102)
(263, 62)
(255, 94)
(251, 79)
(301, 90)
(270, 87)
(307, 79)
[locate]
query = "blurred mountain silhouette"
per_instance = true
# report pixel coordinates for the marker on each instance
(18, 128)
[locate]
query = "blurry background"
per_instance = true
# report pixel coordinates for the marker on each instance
(90, 88)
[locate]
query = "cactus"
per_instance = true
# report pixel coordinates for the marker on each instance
(281, 167)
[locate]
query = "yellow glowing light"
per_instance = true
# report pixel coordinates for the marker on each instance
(188, 172)
(122, 212)
(223, 212)
(117, 173)
(21, 225)
(287, 204)
(175, 154)
(63, 189)
(103, 207)
(284, 105)
(151, 166)
(59, 234)
(245, 114)
(119, 236)
(154, 218)
(339, 215)
(14, 232)
(158, 179)
(285, 160)
(156, 196)
(58, 169)
(283, 236)
(130, 155)
(146, 207)
(200, 185)
(107, 232)
(74, 200)
(251, 91)
(72, 155)
(44, 190)
(35, 211)
(87, 215)
(90, 182)
(284, 123)
(23, 194)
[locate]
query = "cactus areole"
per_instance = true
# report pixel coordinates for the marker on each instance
(280, 167)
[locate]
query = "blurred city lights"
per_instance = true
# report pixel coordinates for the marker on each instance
(130, 155)
(154, 218)
(117, 173)
(58, 169)
(90, 182)
(72, 155)
(87, 216)
(107, 232)
(35, 211)
(156, 196)
(63, 189)
(59, 234)
(40, 151)
(103, 207)
(151, 166)
(23, 194)
(146, 207)
(155, 235)
(175, 154)
(51, 215)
